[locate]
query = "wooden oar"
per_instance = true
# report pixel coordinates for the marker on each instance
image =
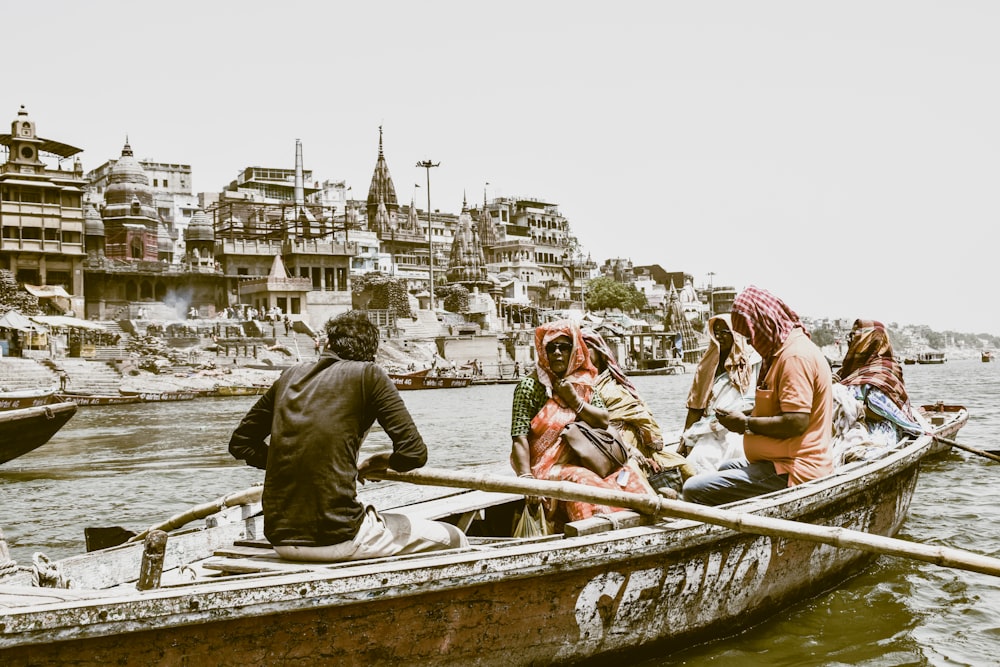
(740, 521)
(244, 497)
(991, 455)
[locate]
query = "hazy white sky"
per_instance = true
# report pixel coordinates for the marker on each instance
(843, 155)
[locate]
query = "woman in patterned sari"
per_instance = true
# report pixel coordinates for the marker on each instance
(560, 390)
(872, 376)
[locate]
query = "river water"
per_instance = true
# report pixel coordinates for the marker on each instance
(133, 465)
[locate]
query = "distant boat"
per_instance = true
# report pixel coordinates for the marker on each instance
(240, 390)
(424, 380)
(160, 396)
(26, 398)
(987, 355)
(909, 361)
(96, 399)
(930, 357)
(25, 429)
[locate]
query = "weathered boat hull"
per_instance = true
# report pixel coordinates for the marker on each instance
(98, 399)
(628, 592)
(240, 390)
(24, 430)
(406, 382)
(18, 400)
(162, 396)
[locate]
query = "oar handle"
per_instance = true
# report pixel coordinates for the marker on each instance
(739, 521)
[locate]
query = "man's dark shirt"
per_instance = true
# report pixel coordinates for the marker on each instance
(317, 415)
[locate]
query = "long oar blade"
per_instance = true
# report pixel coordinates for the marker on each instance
(991, 454)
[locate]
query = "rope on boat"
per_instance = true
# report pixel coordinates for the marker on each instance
(46, 573)
(7, 568)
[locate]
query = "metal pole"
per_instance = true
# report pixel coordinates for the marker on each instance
(711, 295)
(427, 164)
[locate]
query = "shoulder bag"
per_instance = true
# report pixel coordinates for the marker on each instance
(599, 450)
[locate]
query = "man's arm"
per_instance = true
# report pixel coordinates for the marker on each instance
(247, 442)
(408, 448)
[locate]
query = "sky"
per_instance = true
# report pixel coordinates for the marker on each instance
(843, 155)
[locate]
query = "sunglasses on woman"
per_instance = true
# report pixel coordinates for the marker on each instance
(554, 347)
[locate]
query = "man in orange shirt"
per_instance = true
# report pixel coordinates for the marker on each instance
(787, 435)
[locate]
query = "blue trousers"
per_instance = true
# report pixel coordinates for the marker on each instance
(736, 479)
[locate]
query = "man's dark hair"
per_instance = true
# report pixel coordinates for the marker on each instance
(352, 336)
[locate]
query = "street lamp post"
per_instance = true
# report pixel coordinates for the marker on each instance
(427, 164)
(711, 295)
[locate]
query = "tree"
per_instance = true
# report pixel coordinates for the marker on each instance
(606, 293)
(823, 336)
(377, 291)
(13, 297)
(454, 297)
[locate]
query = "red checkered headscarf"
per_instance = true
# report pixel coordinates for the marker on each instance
(869, 360)
(765, 320)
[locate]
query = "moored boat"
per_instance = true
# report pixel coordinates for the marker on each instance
(603, 589)
(987, 356)
(26, 398)
(82, 398)
(160, 396)
(25, 429)
(423, 379)
(240, 390)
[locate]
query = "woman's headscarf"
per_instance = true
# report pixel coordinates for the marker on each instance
(580, 371)
(739, 364)
(869, 360)
(765, 320)
(597, 343)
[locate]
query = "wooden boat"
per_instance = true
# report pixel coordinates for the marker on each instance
(909, 361)
(82, 398)
(25, 429)
(160, 396)
(27, 398)
(930, 357)
(424, 380)
(946, 419)
(240, 390)
(604, 589)
(987, 356)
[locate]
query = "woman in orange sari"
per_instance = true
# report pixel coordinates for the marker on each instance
(560, 391)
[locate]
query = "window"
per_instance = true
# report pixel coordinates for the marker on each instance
(32, 233)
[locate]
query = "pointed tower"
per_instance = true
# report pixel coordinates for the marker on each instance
(467, 264)
(487, 228)
(381, 191)
(678, 323)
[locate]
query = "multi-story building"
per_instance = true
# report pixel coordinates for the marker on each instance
(173, 199)
(263, 215)
(534, 243)
(41, 211)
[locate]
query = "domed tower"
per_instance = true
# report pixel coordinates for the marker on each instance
(381, 191)
(467, 264)
(131, 222)
(93, 233)
(200, 240)
(165, 246)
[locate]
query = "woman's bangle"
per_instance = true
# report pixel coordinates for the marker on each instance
(526, 474)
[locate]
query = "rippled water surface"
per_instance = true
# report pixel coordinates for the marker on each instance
(133, 465)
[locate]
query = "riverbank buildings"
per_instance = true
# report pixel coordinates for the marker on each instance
(131, 234)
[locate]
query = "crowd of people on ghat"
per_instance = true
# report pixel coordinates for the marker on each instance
(765, 411)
